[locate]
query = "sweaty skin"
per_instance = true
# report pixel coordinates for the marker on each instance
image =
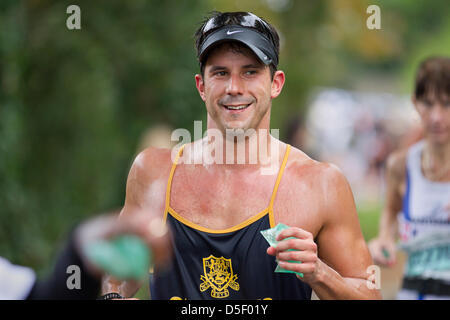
(313, 198)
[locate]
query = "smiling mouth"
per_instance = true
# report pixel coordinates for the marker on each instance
(437, 130)
(236, 107)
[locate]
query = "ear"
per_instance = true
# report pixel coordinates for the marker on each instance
(277, 83)
(200, 86)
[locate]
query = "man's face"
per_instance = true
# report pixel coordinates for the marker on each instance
(237, 88)
(435, 115)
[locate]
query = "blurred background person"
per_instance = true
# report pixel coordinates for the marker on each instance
(158, 136)
(19, 282)
(297, 135)
(418, 192)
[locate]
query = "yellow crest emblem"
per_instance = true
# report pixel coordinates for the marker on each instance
(218, 275)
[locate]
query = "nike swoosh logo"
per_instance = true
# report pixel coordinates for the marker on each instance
(231, 32)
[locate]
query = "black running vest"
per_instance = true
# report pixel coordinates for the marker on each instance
(224, 264)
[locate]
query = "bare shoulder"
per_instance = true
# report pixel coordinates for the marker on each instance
(152, 162)
(396, 163)
(318, 188)
(321, 174)
(148, 176)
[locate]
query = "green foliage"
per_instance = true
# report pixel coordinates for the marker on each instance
(369, 217)
(74, 104)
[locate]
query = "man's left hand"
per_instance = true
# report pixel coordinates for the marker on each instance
(305, 252)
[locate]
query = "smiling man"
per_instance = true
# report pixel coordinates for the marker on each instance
(216, 211)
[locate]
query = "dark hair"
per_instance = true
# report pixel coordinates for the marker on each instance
(235, 18)
(433, 77)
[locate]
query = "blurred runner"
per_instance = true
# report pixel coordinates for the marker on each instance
(418, 187)
(18, 282)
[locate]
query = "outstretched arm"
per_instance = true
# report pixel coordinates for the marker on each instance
(142, 196)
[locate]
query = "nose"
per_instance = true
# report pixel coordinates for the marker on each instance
(437, 113)
(235, 85)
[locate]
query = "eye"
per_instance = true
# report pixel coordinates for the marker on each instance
(220, 73)
(250, 72)
(427, 103)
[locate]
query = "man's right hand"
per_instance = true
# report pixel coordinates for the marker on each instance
(151, 230)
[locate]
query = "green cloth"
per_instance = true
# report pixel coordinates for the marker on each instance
(124, 257)
(271, 235)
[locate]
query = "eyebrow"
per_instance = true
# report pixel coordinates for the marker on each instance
(216, 68)
(247, 66)
(253, 66)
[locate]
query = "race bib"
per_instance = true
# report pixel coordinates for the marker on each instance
(429, 256)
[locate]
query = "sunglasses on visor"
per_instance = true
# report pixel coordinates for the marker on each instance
(245, 19)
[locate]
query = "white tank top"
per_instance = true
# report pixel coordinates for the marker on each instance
(16, 282)
(425, 221)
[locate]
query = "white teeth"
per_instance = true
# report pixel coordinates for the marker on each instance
(237, 107)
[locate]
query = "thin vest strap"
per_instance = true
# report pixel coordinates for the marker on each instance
(272, 199)
(169, 182)
(280, 174)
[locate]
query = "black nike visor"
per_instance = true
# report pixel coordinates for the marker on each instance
(256, 41)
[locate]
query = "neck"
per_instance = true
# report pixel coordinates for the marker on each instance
(243, 148)
(238, 149)
(438, 152)
(436, 161)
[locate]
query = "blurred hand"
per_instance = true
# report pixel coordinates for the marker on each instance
(383, 251)
(152, 231)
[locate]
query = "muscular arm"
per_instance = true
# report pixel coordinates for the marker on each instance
(334, 264)
(144, 191)
(126, 288)
(343, 254)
